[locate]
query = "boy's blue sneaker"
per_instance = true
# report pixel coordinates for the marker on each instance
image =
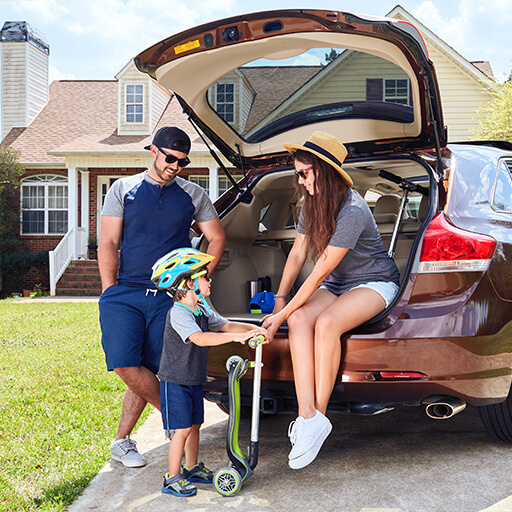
(178, 485)
(199, 473)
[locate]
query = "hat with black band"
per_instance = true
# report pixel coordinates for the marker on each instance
(326, 147)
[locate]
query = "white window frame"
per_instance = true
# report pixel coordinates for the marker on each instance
(134, 103)
(218, 103)
(224, 184)
(45, 201)
(403, 99)
(197, 178)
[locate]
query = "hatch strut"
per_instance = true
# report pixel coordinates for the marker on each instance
(215, 157)
(406, 186)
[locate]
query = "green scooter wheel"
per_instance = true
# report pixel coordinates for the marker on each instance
(227, 481)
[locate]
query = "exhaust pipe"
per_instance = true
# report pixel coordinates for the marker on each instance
(444, 407)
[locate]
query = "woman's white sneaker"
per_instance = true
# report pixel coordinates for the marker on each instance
(307, 437)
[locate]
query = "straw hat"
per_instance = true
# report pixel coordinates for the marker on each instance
(326, 147)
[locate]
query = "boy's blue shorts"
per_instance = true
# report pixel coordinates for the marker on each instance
(181, 406)
(132, 326)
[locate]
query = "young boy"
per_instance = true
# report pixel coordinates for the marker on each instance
(188, 333)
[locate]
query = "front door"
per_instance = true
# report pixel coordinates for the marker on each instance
(104, 184)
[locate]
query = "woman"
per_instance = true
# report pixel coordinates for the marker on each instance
(353, 280)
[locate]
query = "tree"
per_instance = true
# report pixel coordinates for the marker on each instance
(496, 116)
(10, 173)
(329, 57)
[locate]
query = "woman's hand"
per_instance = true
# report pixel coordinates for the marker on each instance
(272, 323)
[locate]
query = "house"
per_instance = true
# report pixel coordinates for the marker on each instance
(77, 136)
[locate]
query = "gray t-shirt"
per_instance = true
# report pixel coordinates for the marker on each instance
(366, 260)
(184, 362)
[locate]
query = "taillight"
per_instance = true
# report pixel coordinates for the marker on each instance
(446, 247)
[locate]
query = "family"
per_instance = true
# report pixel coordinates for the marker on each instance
(157, 326)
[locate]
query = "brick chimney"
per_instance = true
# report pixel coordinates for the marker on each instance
(24, 65)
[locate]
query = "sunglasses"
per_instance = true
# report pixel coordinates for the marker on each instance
(170, 159)
(302, 174)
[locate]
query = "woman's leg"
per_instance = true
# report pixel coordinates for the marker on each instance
(301, 326)
(347, 312)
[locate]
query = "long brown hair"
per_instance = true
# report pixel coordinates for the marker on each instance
(320, 209)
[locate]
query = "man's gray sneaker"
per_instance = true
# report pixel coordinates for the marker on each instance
(125, 451)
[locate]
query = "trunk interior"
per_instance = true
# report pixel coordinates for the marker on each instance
(259, 235)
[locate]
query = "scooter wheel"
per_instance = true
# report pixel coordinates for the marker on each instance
(233, 360)
(227, 481)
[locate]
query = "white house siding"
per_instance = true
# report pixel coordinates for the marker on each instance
(461, 95)
(14, 88)
(158, 100)
(38, 89)
(347, 81)
(151, 112)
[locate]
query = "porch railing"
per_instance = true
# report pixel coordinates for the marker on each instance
(62, 255)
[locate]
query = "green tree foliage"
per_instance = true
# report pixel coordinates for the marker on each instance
(329, 57)
(496, 116)
(12, 259)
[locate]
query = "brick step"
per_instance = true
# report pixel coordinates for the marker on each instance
(80, 278)
(77, 278)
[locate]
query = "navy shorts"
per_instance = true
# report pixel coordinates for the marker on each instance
(181, 406)
(132, 326)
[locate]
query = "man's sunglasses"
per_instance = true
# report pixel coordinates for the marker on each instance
(170, 159)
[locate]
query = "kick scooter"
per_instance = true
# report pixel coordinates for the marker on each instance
(228, 481)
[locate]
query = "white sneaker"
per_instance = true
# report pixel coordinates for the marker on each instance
(307, 437)
(125, 451)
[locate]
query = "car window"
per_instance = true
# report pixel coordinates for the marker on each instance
(265, 97)
(502, 197)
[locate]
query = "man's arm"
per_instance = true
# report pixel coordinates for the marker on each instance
(108, 249)
(214, 233)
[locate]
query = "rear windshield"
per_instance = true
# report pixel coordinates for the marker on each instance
(265, 97)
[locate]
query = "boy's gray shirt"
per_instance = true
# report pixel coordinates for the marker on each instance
(184, 362)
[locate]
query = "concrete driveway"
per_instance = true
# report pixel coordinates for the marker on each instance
(401, 461)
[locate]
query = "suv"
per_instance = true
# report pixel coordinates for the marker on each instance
(251, 83)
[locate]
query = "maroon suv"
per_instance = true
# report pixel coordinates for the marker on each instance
(251, 83)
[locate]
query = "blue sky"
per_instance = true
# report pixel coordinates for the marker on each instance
(95, 39)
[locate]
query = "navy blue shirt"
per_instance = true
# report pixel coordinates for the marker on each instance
(157, 220)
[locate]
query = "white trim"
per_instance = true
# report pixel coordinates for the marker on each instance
(84, 217)
(214, 183)
(72, 209)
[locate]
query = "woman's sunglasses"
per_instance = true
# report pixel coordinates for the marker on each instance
(170, 159)
(303, 174)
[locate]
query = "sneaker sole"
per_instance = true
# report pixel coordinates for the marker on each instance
(308, 457)
(128, 463)
(200, 480)
(176, 493)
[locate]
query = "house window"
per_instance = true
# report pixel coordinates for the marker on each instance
(224, 184)
(225, 101)
(202, 181)
(396, 90)
(134, 103)
(44, 205)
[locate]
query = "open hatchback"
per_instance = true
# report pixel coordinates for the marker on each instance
(251, 83)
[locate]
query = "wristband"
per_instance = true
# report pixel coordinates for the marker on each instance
(279, 296)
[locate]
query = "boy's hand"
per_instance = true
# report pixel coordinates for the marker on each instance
(246, 336)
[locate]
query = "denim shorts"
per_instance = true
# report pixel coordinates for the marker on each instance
(386, 289)
(132, 326)
(181, 406)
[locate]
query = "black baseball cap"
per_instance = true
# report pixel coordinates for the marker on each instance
(170, 137)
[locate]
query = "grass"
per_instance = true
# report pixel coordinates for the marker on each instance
(59, 406)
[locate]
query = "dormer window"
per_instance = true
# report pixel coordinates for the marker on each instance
(135, 103)
(225, 102)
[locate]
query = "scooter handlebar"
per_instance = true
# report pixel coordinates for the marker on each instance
(257, 340)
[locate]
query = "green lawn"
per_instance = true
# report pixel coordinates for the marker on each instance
(58, 405)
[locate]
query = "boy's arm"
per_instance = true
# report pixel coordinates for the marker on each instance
(243, 327)
(210, 339)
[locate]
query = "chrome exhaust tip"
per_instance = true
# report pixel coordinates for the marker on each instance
(443, 408)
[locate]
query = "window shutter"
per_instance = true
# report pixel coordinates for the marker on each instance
(374, 88)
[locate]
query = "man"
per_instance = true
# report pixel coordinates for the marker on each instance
(144, 217)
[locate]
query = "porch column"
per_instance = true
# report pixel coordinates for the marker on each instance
(214, 183)
(84, 213)
(73, 209)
